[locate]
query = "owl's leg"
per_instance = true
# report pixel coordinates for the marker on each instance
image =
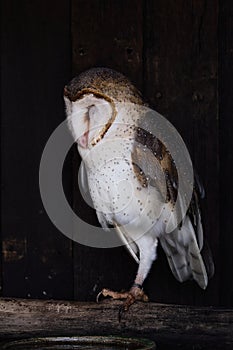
(147, 248)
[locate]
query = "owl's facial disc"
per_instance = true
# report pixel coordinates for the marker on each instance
(90, 118)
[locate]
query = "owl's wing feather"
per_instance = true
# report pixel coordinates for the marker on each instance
(183, 254)
(125, 239)
(199, 185)
(154, 166)
(129, 244)
(195, 216)
(83, 177)
(208, 259)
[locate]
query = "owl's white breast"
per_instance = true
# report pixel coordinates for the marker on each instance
(115, 190)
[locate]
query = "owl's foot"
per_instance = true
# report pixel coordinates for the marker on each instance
(134, 294)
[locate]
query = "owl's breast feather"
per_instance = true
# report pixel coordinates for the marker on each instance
(117, 195)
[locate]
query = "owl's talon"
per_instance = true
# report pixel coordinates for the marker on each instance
(106, 293)
(98, 296)
(114, 295)
(135, 293)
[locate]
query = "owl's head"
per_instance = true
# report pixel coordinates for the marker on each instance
(91, 103)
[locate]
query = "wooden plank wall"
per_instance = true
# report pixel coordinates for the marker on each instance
(180, 57)
(180, 80)
(226, 147)
(36, 63)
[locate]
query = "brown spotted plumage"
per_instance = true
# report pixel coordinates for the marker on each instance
(103, 82)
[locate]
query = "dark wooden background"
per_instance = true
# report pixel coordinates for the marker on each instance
(179, 54)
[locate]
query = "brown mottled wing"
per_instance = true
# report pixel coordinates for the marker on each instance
(153, 165)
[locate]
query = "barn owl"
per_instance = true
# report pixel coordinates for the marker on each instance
(133, 179)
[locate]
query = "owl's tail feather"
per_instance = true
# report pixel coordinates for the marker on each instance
(184, 255)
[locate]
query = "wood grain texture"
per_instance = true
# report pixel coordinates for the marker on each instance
(226, 146)
(171, 327)
(108, 34)
(180, 82)
(36, 257)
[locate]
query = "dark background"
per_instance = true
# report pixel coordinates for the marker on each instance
(179, 54)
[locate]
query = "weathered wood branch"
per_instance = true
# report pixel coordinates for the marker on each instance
(166, 324)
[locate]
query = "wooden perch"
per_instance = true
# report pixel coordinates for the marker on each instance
(167, 325)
